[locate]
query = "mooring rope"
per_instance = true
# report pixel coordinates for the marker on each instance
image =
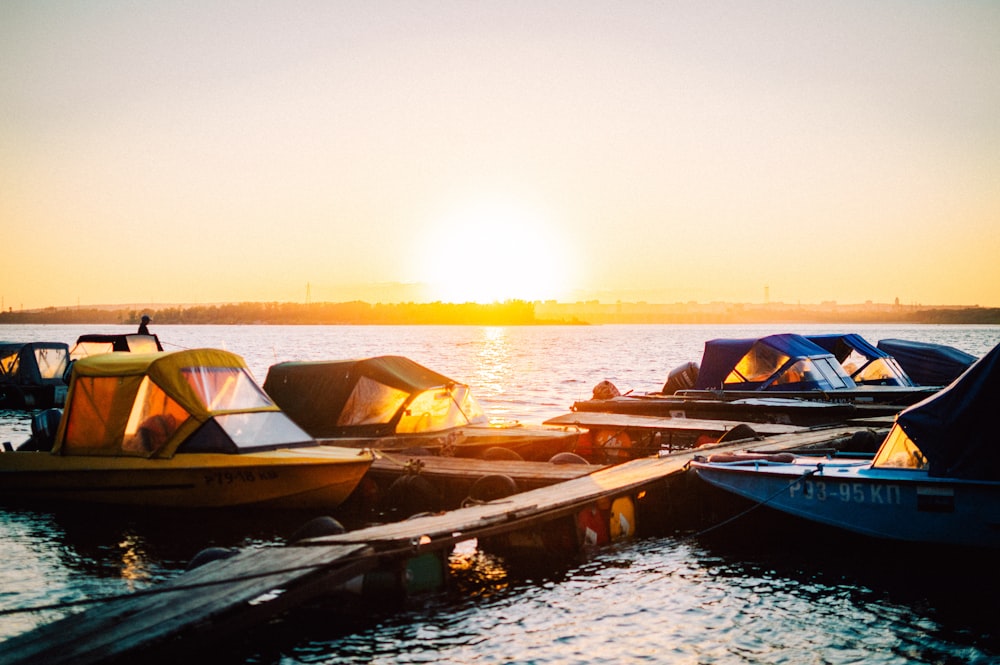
(757, 505)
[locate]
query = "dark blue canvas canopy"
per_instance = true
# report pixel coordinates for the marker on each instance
(874, 365)
(928, 364)
(773, 361)
(956, 429)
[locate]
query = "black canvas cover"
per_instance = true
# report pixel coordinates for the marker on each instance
(928, 364)
(956, 429)
(33, 363)
(315, 394)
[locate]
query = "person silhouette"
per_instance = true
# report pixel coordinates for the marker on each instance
(143, 330)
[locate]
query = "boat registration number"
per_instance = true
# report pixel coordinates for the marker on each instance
(239, 476)
(870, 493)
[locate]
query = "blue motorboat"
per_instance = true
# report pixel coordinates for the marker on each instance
(783, 378)
(935, 477)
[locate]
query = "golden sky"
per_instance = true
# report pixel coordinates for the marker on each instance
(199, 152)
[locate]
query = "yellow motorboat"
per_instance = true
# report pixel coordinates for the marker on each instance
(183, 429)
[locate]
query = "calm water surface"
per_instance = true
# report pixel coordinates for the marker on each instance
(757, 592)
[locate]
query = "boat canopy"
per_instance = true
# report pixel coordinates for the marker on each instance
(91, 345)
(955, 429)
(158, 404)
(784, 362)
(863, 362)
(926, 363)
(377, 396)
(33, 363)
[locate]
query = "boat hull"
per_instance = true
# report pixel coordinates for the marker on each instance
(904, 505)
(313, 478)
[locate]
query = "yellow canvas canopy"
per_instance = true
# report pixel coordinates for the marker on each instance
(148, 404)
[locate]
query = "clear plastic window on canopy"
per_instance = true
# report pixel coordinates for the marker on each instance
(899, 452)
(371, 403)
(806, 370)
(882, 370)
(760, 362)
(262, 429)
(51, 362)
(153, 419)
(9, 362)
(226, 388)
(441, 409)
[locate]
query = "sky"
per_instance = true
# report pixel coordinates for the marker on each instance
(207, 151)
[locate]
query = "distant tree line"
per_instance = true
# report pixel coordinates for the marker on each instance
(513, 312)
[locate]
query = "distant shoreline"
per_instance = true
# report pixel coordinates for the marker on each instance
(508, 313)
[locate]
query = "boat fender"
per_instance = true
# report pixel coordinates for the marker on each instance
(616, 446)
(622, 519)
(681, 378)
(741, 431)
(727, 458)
(605, 390)
(567, 458)
(316, 528)
(210, 554)
(492, 487)
(412, 493)
(501, 453)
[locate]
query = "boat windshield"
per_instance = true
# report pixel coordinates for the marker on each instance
(440, 409)
(262, 430)
(899, 452)
(226, 388)
(813, 371)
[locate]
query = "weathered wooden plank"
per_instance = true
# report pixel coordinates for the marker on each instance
(200, 604)
(467, 467)
(592, 419)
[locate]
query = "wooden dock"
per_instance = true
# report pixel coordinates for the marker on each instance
(202, 606)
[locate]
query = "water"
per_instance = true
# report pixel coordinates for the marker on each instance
(758, 592)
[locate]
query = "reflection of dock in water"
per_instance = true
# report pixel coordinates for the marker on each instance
(199, 608)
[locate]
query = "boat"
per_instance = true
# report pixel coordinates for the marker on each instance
(392, 403)
(927, 363)
(31, 374)
(175, 429)
(934, 479)
(782, 378)
(97, 343)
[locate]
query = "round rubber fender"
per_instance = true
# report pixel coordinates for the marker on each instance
(317, 527)
(501, 453)
(567, 458)
(210, 554)
(741, 431)
(492, 487)
(411, 494)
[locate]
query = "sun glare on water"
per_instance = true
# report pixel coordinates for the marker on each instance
(488, 254)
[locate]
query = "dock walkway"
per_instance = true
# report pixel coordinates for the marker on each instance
(202, 605)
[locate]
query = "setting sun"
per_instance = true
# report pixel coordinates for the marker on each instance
(493, 253)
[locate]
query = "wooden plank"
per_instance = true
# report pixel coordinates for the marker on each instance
(592, 419)
(472, 468)
(201, 604)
